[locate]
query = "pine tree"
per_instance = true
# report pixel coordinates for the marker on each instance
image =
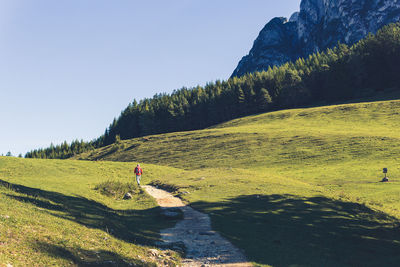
(240, 101)
(264, 100)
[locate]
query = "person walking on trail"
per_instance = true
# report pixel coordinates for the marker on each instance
(138, 172)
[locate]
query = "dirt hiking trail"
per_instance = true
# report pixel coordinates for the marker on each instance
(204, 247)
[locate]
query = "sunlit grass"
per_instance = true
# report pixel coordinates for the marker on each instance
(51, 214)
(334, 154)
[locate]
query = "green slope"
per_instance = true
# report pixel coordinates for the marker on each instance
(293, 187)
(50, 214)
(368, 69)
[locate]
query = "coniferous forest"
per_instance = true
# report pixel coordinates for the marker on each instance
(340, 73)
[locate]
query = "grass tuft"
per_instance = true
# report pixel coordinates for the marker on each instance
(117, 189)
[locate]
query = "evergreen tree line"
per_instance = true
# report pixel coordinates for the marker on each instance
(63, 151)
(340, 73)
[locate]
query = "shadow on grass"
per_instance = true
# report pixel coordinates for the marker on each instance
(82, 257)
(288, 230)
(138, 226)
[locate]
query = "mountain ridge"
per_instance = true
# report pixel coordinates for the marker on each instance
(320, 24)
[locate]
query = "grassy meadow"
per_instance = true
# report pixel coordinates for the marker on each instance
(297, 187)
(51, 214)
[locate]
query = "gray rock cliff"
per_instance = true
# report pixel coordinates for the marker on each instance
(319, 25)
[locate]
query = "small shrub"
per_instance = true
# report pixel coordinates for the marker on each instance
(118, 145)
(116, 189)
(114, 148)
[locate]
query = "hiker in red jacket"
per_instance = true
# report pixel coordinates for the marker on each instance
(138, 172)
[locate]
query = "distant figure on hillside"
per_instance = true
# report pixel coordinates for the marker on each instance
(385, 179)
(138, 172)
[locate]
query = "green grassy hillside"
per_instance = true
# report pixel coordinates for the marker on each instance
(294, 187)
(366, 69)
(51, 214)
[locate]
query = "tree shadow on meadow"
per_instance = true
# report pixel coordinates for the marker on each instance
(138, 226)
(83, 257)
(288, 230)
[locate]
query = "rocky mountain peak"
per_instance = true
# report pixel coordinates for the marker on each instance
(319, 24)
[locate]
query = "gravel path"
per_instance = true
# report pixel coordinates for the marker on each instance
(204, 247)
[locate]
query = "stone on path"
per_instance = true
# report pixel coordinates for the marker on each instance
(170, 214)
(128, 196)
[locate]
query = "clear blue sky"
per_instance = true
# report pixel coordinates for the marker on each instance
(68, 67)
